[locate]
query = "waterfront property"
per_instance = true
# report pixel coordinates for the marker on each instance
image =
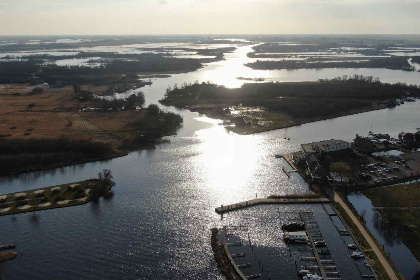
(326, 146)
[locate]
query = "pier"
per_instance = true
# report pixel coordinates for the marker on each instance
(314, 248)
(305, 199)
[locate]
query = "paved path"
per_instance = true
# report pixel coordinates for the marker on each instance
(254, 202)
(372, 244)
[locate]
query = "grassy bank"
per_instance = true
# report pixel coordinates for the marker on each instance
(404, 195)
(404, 221)
(24, 155)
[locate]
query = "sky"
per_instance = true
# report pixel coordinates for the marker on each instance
(129, 17)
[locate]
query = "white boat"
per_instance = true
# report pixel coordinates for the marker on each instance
(320, 243)
(303, 272)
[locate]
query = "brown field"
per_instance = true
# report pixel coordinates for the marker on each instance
(47, 119)
(56, 114)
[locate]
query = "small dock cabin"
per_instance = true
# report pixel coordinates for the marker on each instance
(297, 236)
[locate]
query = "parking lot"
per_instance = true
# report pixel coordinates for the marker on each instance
(389, 168)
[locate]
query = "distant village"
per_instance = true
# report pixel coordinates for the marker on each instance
(376, 159)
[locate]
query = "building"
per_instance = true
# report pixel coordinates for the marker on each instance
(317, 172)
(364, 144)
(326, 146)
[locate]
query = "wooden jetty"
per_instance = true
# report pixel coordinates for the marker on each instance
(318, 259)
(254, 202)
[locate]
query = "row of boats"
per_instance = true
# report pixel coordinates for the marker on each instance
(295, 232)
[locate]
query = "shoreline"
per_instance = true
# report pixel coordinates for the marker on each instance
(125, 152)
(260, 129)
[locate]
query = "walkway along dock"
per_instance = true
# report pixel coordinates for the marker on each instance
(305, 199)
(314, 248)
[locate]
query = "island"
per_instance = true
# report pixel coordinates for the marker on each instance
(257, 107)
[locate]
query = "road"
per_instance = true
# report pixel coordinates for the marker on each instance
(383, 259)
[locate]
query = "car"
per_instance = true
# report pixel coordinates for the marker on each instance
(395, 168)
(376, 181)
(372, 172)
(382, 164)
(356, 255)
(387, 170)
(320, 243)
(382, 174)
(395, 177)
(407, 166)
(352, 246)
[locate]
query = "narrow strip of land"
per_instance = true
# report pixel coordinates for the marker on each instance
(372, 244)
(51, 197)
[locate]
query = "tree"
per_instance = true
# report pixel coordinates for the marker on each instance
(104, 184)
(77, 88)
(341, 168)
(140, 99)
(131, 102)
(134, 101)
(153, 110)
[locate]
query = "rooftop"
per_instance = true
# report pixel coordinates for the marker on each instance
(322, 145)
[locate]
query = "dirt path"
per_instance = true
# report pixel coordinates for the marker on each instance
(372, 244)
(93, 131)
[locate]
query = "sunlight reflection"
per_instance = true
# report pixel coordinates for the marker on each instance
(229, 160)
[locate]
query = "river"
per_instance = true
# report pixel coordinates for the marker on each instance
(156, 226)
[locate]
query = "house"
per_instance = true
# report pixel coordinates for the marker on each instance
(326, 146)
(317, 172)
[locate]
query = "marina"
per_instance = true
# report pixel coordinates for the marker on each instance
(331, 261)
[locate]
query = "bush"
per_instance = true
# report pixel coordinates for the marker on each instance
(37, 90)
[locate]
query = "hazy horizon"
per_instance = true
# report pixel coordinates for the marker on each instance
(203, 17)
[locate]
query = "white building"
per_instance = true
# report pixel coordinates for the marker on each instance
(325, 146)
